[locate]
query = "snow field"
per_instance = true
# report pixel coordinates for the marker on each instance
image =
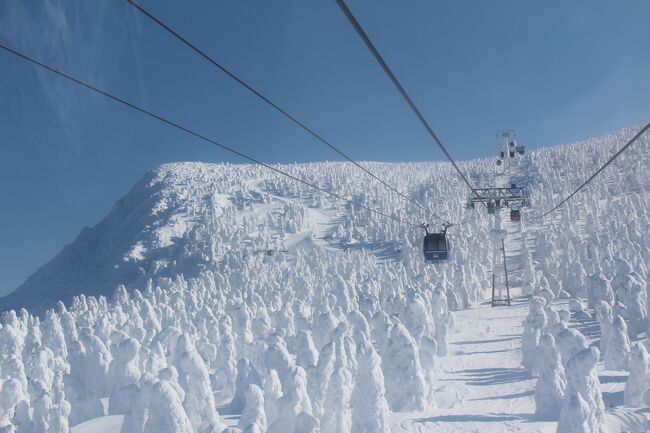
(257, 305)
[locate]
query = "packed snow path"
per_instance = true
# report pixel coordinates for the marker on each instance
(482, 385)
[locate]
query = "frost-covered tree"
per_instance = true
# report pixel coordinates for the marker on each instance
(600, 290)
(42, 404)
(534, 326)
(135, 418)
(123, 370)
(305, 423)
(13, 405)
(443, 319)
(324, 370)
(306, 353)
(582, 381)
(618, 346)
(638, 381)
(418, 319)
(54, 336)
(165, 412)
(277, 358)
(575, 416)
(272, 395)
(569, 343)
(195, 381)
(95, 362)
(605, 320)
(294, 408)
(427, 350)
(246, 376)
(406, 388)
(551, 385)
(226, 364)
(369, 406)
(337, 416)
(253, 413)
(295, 398)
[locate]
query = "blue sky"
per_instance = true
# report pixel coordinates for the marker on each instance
(557, 71)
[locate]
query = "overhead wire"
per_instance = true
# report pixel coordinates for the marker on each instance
(200, 136)
(275, 106)
(609, 161)
(355, 23)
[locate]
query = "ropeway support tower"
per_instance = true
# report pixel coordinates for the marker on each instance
(500, 286)
(511, 196)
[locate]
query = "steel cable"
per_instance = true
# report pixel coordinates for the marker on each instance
(276, 107)
(197, 135)
(609, 161)
(346, 11)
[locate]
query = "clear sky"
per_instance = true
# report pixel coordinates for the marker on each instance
(557, 71)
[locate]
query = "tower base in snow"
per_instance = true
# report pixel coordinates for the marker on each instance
(499, 298)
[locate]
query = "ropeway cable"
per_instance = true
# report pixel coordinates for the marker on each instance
(275, 106)
(609, 161)
(200, 136)
(344, 8)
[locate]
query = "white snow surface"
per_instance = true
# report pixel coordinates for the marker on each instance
(219, 297)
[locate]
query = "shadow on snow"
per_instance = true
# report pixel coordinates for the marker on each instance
(493, 376)
(506, 396)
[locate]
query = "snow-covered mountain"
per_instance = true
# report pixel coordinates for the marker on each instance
(252, 296)
(185, 217)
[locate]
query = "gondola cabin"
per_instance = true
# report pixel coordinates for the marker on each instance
(498, 162)
(520, 149)
(515, 215)
(435, 246)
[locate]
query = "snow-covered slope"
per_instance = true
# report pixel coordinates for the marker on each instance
(185, 217)
(182, 218)
(255, 301)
